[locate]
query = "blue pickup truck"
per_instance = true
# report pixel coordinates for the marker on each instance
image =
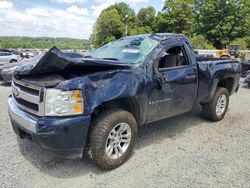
(96, 103)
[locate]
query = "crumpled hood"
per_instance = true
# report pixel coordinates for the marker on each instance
(54, 61)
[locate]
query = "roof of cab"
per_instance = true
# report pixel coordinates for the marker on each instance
(156, 36)
(164, 36)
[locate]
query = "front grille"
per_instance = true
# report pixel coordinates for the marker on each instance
(28, 90)
(27, 104)
(28, 97)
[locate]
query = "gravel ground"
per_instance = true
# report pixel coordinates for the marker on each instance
(184, 151)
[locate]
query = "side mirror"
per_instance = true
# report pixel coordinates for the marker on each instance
(159, 77)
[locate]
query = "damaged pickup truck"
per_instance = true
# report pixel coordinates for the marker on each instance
(95, 104)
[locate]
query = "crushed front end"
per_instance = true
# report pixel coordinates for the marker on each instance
(58, 130)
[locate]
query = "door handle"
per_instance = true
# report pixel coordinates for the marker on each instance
(189, 77)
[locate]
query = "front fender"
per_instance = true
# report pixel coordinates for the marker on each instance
(101, 87)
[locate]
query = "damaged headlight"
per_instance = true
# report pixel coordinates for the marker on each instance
(63, 103)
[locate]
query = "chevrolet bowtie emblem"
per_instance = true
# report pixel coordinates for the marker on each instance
(15, 91)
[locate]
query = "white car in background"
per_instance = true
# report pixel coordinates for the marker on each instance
(28, 54)
(8, 57)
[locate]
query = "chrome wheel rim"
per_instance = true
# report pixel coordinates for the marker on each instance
(118, 141)
(221, 105)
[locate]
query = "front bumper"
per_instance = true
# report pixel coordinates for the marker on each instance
(65, 136)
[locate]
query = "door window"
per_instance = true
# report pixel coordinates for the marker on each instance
(5, 54)
(173, 58)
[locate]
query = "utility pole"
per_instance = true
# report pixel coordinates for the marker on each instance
(126, 27)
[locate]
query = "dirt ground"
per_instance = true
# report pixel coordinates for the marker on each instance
(184, 151)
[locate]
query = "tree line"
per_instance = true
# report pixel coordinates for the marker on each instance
(208, 23)
(44, 43)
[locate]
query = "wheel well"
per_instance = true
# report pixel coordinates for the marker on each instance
(128, 103)
(227, 83)
(13, 60)
(224, 56)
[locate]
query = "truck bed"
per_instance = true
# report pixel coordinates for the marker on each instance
(211, 72)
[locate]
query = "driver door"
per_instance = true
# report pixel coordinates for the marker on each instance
(175, 84)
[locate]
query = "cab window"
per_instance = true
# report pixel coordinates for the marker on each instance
(173, 57)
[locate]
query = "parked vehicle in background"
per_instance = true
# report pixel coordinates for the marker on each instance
(8, 70)
(7, 56)
(233, 51)
(97, 103)
(222, 54)
(15, 52)
(245, 63)
(247, 80)
(27, 54)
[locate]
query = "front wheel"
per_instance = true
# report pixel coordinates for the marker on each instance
(112, 138)
(216, 109)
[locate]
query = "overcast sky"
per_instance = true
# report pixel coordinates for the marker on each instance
(57, 18)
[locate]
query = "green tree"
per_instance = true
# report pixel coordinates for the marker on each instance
(43, 42)
(247, 16)
(221, 22)
(113, 23)
(146, 17)
(108, 27)
(199, 42)
(127, 15)
(162, 23)
(145, 20)
(136, 30)
(176, 17)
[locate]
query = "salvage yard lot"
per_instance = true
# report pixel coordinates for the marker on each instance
(182, 151)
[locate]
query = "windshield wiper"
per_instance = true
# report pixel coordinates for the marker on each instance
(89, 57)
(110, 58)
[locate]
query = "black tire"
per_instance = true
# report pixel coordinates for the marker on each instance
(13, 61)
(248, 85)
(209, 110)
(102, 126)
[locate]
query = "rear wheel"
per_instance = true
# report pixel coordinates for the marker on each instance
(216, 109)
(112, 138)
(248, 85)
